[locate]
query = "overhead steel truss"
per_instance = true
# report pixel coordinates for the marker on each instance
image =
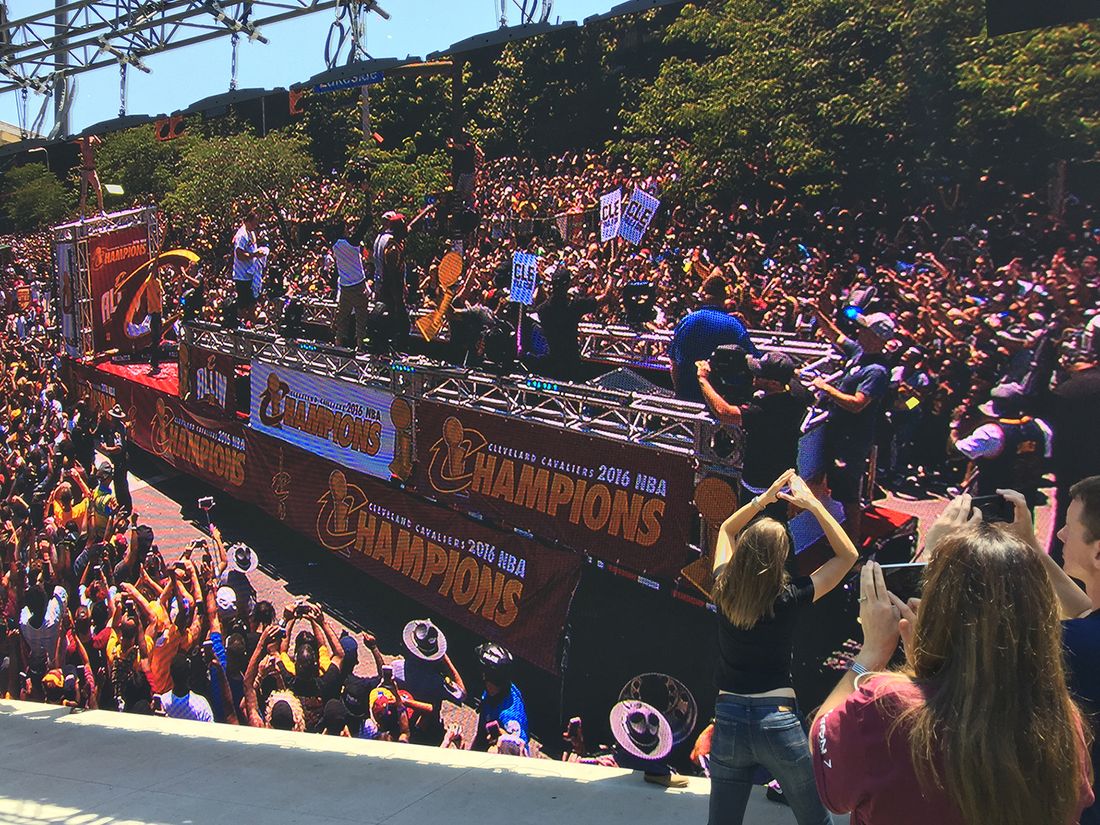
(40, 51)
(679, 427)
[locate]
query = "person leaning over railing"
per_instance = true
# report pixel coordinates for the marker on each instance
(978, 727)
(757, 721)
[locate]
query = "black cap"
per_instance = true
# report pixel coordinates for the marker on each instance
(773, 366)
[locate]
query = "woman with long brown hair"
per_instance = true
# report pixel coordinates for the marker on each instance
(757, 721)
(978, 727)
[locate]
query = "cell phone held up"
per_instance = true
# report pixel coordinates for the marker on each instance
(994, 509)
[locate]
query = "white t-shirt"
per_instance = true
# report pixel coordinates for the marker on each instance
(42, 641)
(349, 263)
(989, 439)
(192, 706)
(244, 270)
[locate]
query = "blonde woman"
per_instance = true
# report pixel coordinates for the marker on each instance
(979, 726)
(757, 721)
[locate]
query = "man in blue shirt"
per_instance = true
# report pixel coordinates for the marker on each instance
(697, 335)
(502, 702)
(854, 402)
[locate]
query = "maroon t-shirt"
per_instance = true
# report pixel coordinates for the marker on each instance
(863, 769)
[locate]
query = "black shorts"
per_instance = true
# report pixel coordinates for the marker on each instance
(245, 298)
(845, 477)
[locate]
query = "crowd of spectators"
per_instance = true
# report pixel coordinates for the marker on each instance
(983, 291)
(967, 334)
(97, 615)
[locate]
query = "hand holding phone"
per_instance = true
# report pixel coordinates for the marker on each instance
(994, 509)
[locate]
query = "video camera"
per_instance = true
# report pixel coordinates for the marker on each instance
(729, 369)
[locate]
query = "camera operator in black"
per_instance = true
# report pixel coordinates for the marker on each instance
(771, 418)
(559, 317)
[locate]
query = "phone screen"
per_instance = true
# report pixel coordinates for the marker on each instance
(904, 580)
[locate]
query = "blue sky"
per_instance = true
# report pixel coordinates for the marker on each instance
(295, 52)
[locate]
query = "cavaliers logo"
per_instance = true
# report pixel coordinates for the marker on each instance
(339, 503)
(452, 456)
(160, 429)
(139, 280)
(271, 401)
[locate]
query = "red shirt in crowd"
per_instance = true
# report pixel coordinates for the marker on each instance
(861, 767)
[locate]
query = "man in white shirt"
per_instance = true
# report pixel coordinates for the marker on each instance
(353, 297)
(248, 263)
(40, 623)
(180, 702)
(1011, 450)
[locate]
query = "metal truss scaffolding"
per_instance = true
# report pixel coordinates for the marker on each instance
(77, 234)
(41, 50)
(666, 424)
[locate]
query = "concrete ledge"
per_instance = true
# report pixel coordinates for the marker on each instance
(102, 767)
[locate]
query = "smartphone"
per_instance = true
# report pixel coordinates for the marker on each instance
(206, 503)
(904, 580)
(995, 508)
(492, 729)
(574, 725)
(387, 673)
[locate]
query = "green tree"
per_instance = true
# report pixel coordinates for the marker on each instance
(221, 176)
(401, 179)
(139, 162)
(813, 96)
(33, 197)
(1033, 97)
(332, 124)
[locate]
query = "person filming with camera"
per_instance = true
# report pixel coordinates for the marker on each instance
(772, 418)
(977, 726)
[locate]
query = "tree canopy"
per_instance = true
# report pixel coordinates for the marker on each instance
(813, 97)
(33, 197)
(221, 177)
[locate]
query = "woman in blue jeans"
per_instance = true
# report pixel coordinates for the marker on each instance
(757, 720)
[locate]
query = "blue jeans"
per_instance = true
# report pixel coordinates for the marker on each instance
(768, 733)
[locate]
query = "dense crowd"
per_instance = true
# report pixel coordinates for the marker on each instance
(985, 288)
(97, 615)
(965, 331)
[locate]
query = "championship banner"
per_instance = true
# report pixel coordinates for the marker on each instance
(622, 503)
(637, 216)
(208, 380)
(611, 211)
(358, 427)
(113, 259)
(207, 448)
(501, 586)
(66, 270)
(525, 278)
